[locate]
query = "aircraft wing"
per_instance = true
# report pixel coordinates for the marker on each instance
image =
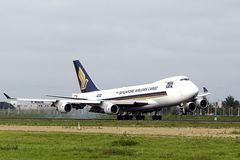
(204, 95)
(81, 103)
(29, 100)
(71, 101)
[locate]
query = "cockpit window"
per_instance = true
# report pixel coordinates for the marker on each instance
(169, 84)
(184, 79)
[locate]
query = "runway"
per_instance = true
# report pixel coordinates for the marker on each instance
(112, 119)
(151, 131)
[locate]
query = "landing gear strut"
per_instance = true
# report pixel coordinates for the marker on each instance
(182, 111)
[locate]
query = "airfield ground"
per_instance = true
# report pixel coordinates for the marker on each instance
(193, 123)
(108, 139)
(151, 131)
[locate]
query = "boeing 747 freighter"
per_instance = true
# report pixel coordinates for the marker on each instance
(130, 102)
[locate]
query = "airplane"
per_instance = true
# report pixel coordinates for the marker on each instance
(129, 102)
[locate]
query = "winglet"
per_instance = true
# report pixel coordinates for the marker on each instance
(7, 96)
(205, 90)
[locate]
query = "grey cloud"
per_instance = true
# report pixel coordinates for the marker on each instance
(121, 43)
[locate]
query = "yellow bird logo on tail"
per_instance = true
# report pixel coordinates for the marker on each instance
(82, 78)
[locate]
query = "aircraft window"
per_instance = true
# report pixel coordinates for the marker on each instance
(169, 85)
(185, 79)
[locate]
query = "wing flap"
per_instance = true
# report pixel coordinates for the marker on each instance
(65, 97)
(86, 102)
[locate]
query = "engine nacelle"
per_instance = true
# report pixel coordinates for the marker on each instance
(110, 108)
(64, 107)
(190, 107)
(201, 103)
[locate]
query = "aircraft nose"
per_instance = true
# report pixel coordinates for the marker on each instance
(189, 90)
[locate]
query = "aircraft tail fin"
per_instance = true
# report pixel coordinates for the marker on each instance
(85, 82)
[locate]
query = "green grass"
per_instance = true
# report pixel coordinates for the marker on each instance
(202, 118)
(147, 123)
(62, 146)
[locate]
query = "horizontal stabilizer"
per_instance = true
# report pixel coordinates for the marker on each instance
(7, 96)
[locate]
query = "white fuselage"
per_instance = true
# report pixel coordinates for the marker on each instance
(164, 93)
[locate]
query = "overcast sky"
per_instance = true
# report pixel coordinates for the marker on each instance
(120, 43)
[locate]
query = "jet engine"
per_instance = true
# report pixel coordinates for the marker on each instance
(190, 107)
(110, 108)
(201, 103)
(64, 107)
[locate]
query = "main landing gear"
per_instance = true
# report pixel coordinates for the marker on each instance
(182, 111)
(157, 116)
(125, 117)
(140, 117)
(130, 117)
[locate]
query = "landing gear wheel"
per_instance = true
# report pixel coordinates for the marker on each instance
(137, 117)
(130, 117)
(124, 117)
(157, 117)
(140, 117)
(119, 117)
(154, 117)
